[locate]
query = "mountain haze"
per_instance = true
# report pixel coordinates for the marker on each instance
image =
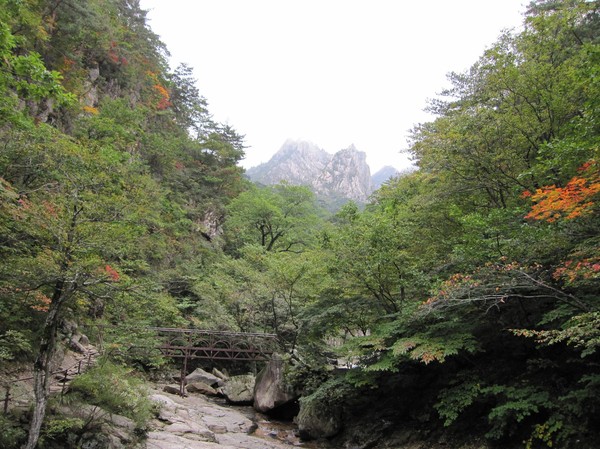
(382, 175)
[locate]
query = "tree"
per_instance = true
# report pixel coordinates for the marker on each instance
(278, 218)
(75, 218)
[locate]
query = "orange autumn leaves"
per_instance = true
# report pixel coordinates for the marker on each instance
(576, 199)
(163, 97)
(571, 201)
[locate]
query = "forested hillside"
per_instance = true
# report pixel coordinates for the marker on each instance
(464, 297)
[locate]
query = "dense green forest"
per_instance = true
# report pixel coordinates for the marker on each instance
(465, 295)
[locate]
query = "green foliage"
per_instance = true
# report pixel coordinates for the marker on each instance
(11, 434)
(329, 395)
(454, 400)
(506, 405)
(58, 430)
(581, 330)
(278, 218)
(14, 344)
(515, 404)
(116, 389)
(115, 185)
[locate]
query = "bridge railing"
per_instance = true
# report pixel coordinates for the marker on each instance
(215, 345)
(189, 343)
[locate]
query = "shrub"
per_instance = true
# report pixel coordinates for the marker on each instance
(60, 431)
(117, 390)
(11, 435)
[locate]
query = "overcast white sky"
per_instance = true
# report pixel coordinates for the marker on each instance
(334, 72)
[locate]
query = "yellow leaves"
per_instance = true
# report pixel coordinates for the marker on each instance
(90, 110)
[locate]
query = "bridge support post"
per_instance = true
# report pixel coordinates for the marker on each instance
(183, 372)
(6, 399)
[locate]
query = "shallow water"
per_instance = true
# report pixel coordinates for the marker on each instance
(271, 429)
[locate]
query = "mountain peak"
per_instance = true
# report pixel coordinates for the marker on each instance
(343, 175)
(347, 174)
(296, 162)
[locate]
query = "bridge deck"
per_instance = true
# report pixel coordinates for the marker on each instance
(214, 345)
(196, 343)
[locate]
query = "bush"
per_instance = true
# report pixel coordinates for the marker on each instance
(60, 431)
(117, 390)
(11, 435)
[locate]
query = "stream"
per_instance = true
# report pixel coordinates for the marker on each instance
(197, 422)
(268, 428)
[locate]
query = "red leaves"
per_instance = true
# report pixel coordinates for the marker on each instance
(573, 271)
(113, 275)
(577, 198)
(114, 54)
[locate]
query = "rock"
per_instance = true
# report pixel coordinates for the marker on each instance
(199, 375)
(220, 374)
(173, 389)
(270, 391)
(94, 73)
(69, 327)
(200, 432)
(94, 440)
(110, 431)
(202, 388)
(218, 428)
(162, 400)
(122, 422)
(166, 440)
(84, 340)
(297, 162)
(345, 174)
(196, 423)
(240, 389)
(317, 421)
(76, 346)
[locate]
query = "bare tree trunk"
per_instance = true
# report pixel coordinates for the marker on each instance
(42, 364)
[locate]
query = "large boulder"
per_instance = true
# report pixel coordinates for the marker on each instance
(317, 420)
(199, 375)
(239, 389)
(271, 391)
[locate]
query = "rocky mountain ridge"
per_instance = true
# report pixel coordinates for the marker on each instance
(344, 175)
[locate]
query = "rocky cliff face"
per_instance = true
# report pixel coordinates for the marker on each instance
(345, 174)
(297, 162)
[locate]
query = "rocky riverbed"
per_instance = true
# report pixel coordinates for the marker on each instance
(195, 422)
